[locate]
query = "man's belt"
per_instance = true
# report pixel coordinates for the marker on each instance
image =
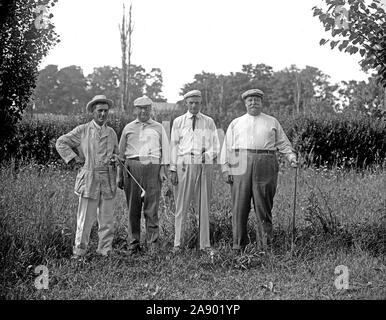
(256, 151)
(101, 169)
(145, 158)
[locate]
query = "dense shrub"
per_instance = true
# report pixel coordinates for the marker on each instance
(322, 140)
(336, 140)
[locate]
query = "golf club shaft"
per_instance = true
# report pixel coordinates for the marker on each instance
(294, 207)
(199, 211)
(127, 170)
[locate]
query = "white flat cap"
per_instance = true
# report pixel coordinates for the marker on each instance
(142, 102)
(252, 92)
(193, 93)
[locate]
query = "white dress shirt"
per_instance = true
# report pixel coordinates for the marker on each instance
(145, 140)
(188, 144)
(262, 132)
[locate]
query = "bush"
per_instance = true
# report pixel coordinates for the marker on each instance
(339, 141)
(332, 140)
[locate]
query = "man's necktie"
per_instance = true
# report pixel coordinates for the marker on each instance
(194, 121)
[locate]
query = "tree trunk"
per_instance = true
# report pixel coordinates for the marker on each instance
(126, 30)
(128, 91)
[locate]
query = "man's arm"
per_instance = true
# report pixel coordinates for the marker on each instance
(284, 145)
(165, 154)
(174, 140)
(65, 144)
(224, 156)
(212, 152)
(121, 155)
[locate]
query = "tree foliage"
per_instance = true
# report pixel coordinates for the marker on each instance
(67, 91)
(26, 36)
(357, 26)
(289, 91)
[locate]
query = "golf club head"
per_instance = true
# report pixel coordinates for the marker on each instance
(143, 194)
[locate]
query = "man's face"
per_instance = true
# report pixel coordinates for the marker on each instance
(100, 113)
(143, 113)
(194, 104)
(254, 105)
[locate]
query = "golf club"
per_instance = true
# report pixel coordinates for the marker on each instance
(199, 211)
(127, 170)
(294, 206)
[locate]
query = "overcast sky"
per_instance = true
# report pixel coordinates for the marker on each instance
(186, 37)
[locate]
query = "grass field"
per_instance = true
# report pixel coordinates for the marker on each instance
(341, 220)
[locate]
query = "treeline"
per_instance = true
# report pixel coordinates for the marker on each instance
(67, 90)
(332, 140)
(291, 91)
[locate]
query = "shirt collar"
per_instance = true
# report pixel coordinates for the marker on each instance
(190, 115)
(253, 117)
(98, 126)
(150, 121)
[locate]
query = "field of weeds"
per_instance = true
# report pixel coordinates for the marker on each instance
(340, 218)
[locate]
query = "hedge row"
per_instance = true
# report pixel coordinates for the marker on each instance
(339, 141)
(332, 140)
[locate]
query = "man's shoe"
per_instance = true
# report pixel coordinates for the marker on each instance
(134, 250)
(209, 251)
(77, 257)
(177, 250)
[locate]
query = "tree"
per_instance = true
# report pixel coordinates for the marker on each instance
(360, 96)
(46, 84)
(26, 36)
(126, 30)
(361, 28)
(154, 85)
(105, 80)
(61, 91)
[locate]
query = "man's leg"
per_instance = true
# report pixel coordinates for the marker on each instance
(134, 203)
(241, 191)
(183, 194)
(87, 211)
(106, 225)
(264, 182)
(203, 181)
(152, 185)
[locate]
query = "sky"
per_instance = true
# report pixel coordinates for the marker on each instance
(187, 37)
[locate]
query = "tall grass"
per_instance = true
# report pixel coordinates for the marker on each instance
(336, 212)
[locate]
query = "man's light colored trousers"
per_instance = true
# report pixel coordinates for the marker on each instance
(194, 183)
(90, 210)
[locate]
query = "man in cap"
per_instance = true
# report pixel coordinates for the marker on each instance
(194, 148)
(95, 184)
(145, 147)
(250, 166)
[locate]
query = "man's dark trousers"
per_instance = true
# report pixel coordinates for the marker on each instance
(147, 175)
(258, 182)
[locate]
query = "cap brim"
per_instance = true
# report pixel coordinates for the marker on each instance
(91, 103)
